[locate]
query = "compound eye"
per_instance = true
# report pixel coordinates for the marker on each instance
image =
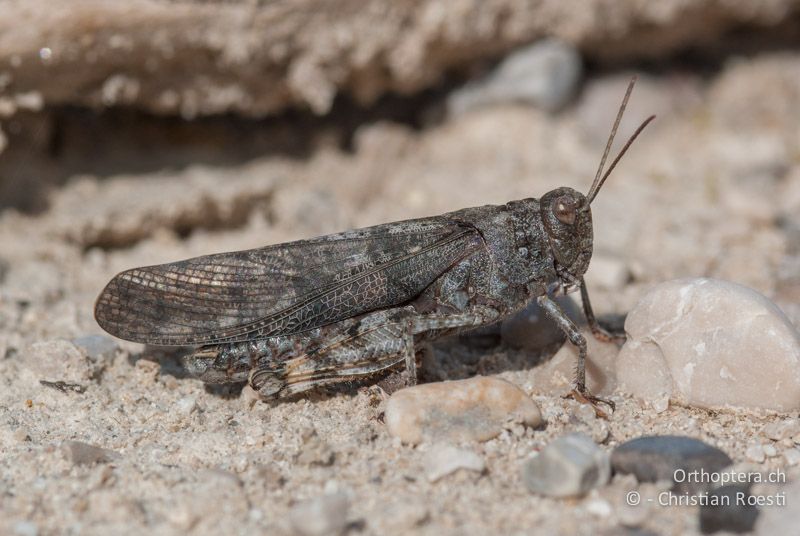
(565, 210)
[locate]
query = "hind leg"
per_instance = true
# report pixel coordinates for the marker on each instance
(360, 348)
(354, 349)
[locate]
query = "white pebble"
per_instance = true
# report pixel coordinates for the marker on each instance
(779, 430)
(443, 460)
(711, 343)
(792, 456)
(598, 507)
(186, 405)
(660, 405)
(25, 528)
(755, 453)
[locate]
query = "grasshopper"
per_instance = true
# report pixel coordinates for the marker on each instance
(357, 305)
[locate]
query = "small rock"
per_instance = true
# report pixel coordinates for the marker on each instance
(186, 405)
(26, 528)
(21, 434)
(598, 508)
(670, 458)
(80, 453)
(660, 405)
(531, 329)
(755, 453)
(727, 509)
(476, 409)
(545, 74)
(770, 451)
(792, 456)
(569, 466)
(442, 460)
(779, 430)
(322, 516)
(711, 343)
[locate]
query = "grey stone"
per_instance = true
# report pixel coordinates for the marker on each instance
(544, 74)
(570, 466)
(669, 458)
(26, 528)
(727, 509)
(443, 460)
(531, 329)
(325, 515)
(80, 453)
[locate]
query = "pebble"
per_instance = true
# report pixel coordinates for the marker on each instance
(729, 513)
(325, 515)
(186, 405)
(656, 458)
(26, 528)
(475, 409)
(792, 456)
(80, 453)
(531, 329)
(770, 451)
(545, 74)
(755, 453)
(779, 430)
(711, 343)
(570, 466)
(443, 460)
(598, 508)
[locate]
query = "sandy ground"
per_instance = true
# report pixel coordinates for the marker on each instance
(713, 189)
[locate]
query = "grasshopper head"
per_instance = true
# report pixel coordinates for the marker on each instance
(567, 220)
(567, 216)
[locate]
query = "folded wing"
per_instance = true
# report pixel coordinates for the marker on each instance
(282, 289)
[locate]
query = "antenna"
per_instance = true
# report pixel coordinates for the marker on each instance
(600, 178)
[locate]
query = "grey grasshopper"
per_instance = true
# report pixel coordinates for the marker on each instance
(357, 305)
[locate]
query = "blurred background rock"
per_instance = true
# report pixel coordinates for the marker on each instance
(99, 86)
